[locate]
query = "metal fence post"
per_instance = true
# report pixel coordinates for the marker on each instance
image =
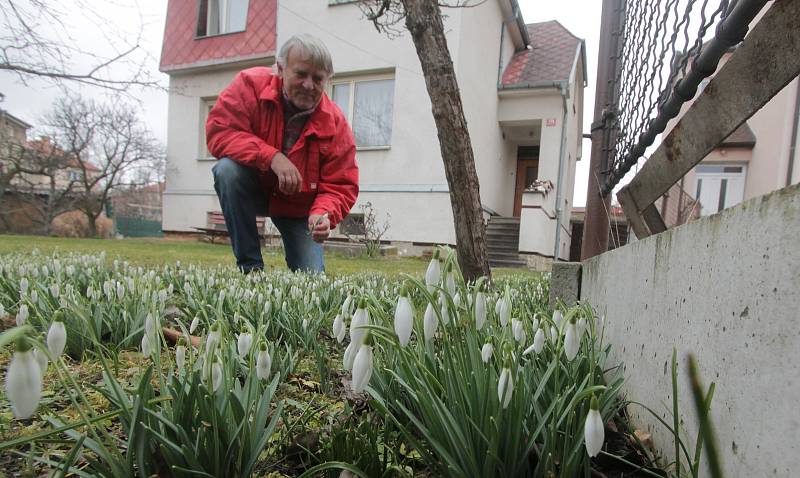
(598, 207)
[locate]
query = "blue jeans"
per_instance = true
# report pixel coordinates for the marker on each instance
(242, 198)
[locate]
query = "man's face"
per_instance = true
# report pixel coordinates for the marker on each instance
(303, 82)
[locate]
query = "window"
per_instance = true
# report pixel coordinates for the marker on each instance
(718, 186)
(75, 175)
(216, 17)
(205, 107)
(368, 105)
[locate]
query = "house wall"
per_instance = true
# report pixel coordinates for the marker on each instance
(723, 288)
(189, 189)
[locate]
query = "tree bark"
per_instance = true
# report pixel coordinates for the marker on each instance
(424, 22)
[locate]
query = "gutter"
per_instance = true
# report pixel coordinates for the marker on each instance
(540, 85)
(559, 193)
(793, 144)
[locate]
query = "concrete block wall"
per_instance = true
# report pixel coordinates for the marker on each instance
(725, 288)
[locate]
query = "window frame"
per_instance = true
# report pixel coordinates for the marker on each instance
(352, 80)
(711, 171)
(222, 21)
(206, 103)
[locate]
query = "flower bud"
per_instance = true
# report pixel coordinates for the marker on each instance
(56, 337)
(505, 387)
(486, 352)
(431, 322)
(362, 368)
(403, 320)
(243, 343)
(480, 310)
(24, 381)
(593, 430)
(263, 362)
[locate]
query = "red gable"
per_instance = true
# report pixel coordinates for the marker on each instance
(182, 48)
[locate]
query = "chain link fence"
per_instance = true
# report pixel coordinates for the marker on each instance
(664, 50)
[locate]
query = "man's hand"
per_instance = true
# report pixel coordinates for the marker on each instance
(289, 178)
(319, 226)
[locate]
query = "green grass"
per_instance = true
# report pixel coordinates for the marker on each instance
(149, 252)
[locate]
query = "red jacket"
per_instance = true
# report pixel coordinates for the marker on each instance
(246, 125)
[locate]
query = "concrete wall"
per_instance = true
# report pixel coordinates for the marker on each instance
(725, 288)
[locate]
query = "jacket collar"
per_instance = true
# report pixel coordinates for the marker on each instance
(321, 123)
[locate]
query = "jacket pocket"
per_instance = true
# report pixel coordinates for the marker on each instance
(315, 153)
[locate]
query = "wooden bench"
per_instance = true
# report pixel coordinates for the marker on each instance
(215, 226)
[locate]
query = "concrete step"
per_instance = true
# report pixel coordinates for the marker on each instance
(504, 256)
(503, 220)
(504, 263)
(508, 228)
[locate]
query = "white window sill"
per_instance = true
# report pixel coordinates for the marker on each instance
(373, 148)
(207, 159)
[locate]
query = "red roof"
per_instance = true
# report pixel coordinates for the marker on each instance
(44, 145)
(183, 49)
(551, 56)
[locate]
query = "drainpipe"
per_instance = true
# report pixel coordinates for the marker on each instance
(500, 56)
(559, 194)
(793, 145)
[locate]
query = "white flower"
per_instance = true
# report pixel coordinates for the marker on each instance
(120, 290)
(213, 339)
(267, 307)
(593, 431)
(553, 334)
(431, 322)
(403, 320)
(538, 340)
(486, 352)
(24, 382)
(450, 283)
(535, 323)
(243, 343)
(583, 326)
(518, 330)
(180, 355)
(346, 306)
(505, 387)
(503, 308)
(480, 310)
(263, 362)
(34, 296)
(572, 341)
(150, 325)
(445, 314)
(338, 327)
(147, 346)
(23, 286)
(362, 368)
(350, 355)
(54, 290)
(41, 360)
(194, 324)
(216, 374)
(557, 318)
(56, 338)
(457, 299)
(434, 272)
(360, 319)
(305, 324)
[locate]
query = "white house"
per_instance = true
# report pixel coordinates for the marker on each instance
(521, 85)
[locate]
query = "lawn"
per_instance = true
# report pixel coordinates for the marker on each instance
(152, 251)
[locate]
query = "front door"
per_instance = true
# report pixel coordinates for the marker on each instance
(527, 172)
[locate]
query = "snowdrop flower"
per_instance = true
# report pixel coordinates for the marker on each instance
(120, 290)
(24, 381)
(305, 324)
(403, 319)
(56, 337)
(23, 286)
(214, 337)
(450, 282)
(433, 275)
(443, 305)
(535, 322)
(34, 296)
(41, 360)
(430, 323)
(147, 346)
(362, 368)
(457, 299)
(2, 311)
(538, 340)
(583, 326)
(518, 330)
(263, 362)
(180, 353)
(503, 308)
(572, 341)
(558, 318)
(553, 334)
(338, 328)
(350, 355)
(150, 327)
(505, 387)
(243, 343)
(54, 290)
(480, 310)
(194, 324)
(360, 319)
(22, 315)
(216, 374)
(593, 431)
(486, 352)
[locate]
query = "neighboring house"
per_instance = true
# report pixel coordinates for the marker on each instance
(136, 211)
(521, 86)
(69, 173)
(13, 128)
(759, 157)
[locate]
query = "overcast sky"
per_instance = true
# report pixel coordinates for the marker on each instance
(30, 102)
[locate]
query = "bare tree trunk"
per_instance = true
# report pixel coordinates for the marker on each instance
(424, 21)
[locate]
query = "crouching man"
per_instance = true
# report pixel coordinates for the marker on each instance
(285, 151)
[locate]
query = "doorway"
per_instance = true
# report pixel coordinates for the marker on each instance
(527, 173)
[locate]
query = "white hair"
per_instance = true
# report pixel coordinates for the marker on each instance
(315, 50)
